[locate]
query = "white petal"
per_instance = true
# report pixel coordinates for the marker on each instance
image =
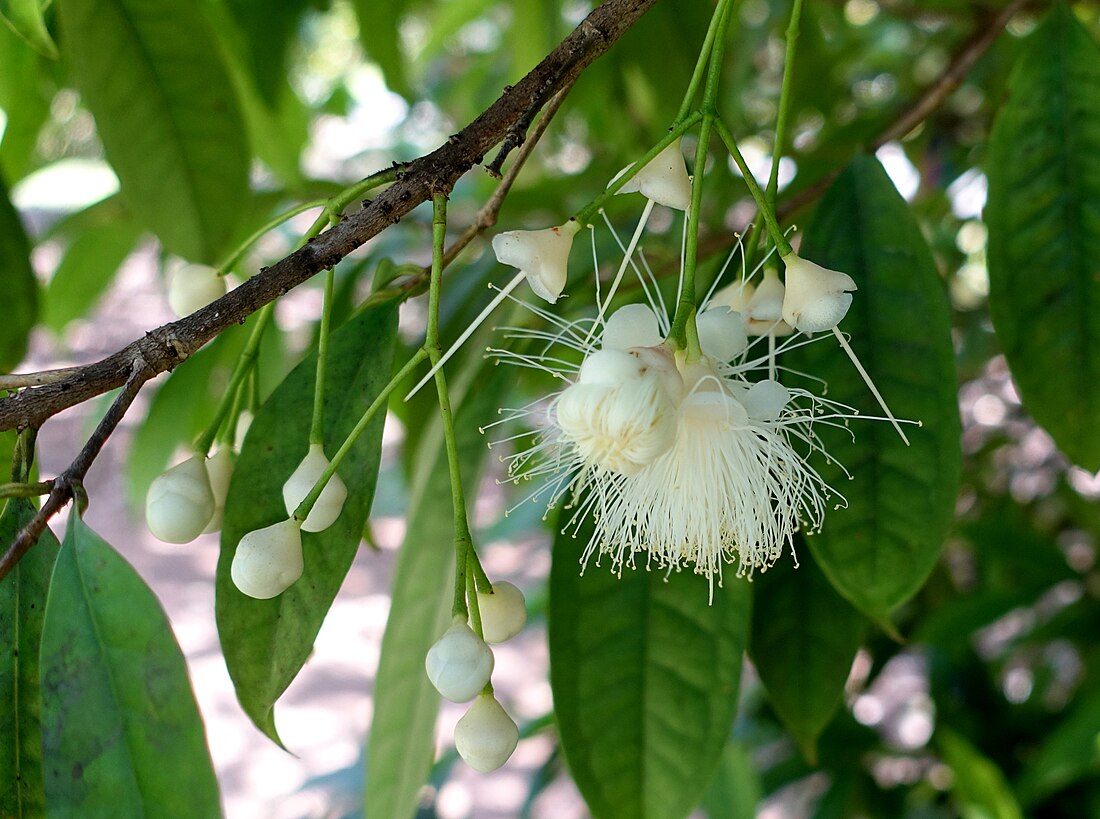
(816, 298)
(664, 179)
(766, 303)
(721, 334)
(633, 325)
(609, 367)
(764, 400)
(542, 256)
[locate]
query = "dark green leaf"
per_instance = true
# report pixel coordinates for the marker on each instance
(979, 787)
(1068, 752)
(645, 675)
(20, 286)
(734, 791)
(268, 29)
(804, 638)
(401, 746)
(22, 607)
(25, 91)
(1044, 232)
(121, 732)
(175, 137)
(26, 18)
(380, 34)
(88, 266)
(266, 642)
(879, 550)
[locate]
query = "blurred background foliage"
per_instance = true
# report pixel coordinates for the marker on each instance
(989, 704)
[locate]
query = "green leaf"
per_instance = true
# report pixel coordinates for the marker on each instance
(268, 29)
(150, 71)
(121, 732)
(804, 639)
(979, 786)
(25, 93)
(401, 746)
(1068, 752)
(1044, 232)
(22, 607)
(734, 791)
(20, 286)
(901, 499)
(88, 266)
(27, 19)
(645, 675)
(266, 642)
(380, 34)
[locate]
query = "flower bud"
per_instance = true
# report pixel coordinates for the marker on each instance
(541, 255)
(219, 469)
(736, 296)
(609, 367)
(193, 287)
(764, 311)
(632, 325)
(459, 664)
(269, 560)
(503, 612)
(722, 334)
(486, 736)
(816, 298)
(298, 485)
(180, 502)
(664, 179)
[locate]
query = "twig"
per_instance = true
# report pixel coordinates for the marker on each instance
(165, 347)
(17, 381)
(69, 481)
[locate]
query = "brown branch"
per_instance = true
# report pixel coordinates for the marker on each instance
(69, 481)
(165, 347)
(989, 28)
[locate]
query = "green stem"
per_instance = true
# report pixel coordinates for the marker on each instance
(761, 201)
(716, 22)
(717, 50)
(685, 300)
(25, 490)
(345, 197)
(481, 579)
(584, 216)
(317, 428)
(239, 252)
(306, 506)
(471, 594)
(784, 101)
(243, 368)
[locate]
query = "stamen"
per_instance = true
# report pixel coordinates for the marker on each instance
(870, 384)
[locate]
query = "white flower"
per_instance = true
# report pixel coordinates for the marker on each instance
(268, 561)
(540, 255)
(664, 179)
(331, 501)
(459, 664)
(486, 736)
(816, 298)
(180, 502)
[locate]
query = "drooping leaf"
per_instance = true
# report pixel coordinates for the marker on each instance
(174, 137)
(1044, 232)
(979, 787)
(22, 608)
(266, 642)
(879, 550)
(401, 746)
(87, 268)
(20, 286)
(804, 639)
(27, 19)
(645, 675)
(121, 731)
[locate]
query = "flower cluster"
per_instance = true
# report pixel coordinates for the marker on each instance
(460, 664)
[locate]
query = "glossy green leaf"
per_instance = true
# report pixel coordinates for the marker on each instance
(734, 791)
(804, 639)
(22, 607)
(174, 137)
(87, 268)
(979, 787)
(645, 675)
(401, 746)
(879, 550)
(20, 286)
(27, 19)
(1044, 232)
(266, 642)
(121, 731)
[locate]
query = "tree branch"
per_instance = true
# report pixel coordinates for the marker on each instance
(165, 347)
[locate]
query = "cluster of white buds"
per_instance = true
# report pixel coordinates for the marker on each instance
(189, 499)
(194, 286)
(460, 665)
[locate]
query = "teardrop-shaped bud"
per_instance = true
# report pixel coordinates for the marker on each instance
(664, 179)
(219, 468)
(486, 736)
(632, 325)
(816, 298)
(298, 485)
(193, 287)
(736, 296)
(503, 612)
(180, 502)
(722, 334)
(268, 561)
(460, 663)
(609, 367)
(541, 255)
(764, 400)
(764, 312)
